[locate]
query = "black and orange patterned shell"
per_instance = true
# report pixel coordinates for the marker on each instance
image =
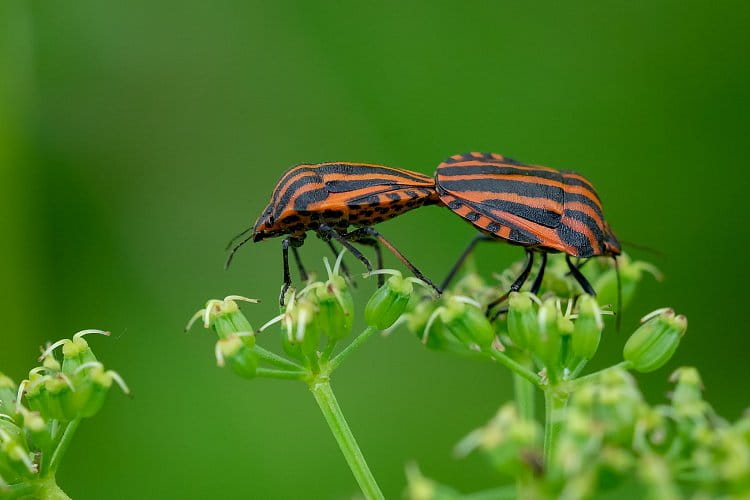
(527, 205)
(341, 194)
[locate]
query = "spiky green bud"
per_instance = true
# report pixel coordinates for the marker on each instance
(388, 302)
(587, 330)
(522, 319)
(240, 358)
(655, 341)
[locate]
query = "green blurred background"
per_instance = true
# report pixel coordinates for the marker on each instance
(137, 137)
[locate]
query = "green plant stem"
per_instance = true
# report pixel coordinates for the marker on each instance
(275, 359)
(328, 350)
(326, 400)
(283, 374)
(524, 392)
(591, 376)
(555, 403)
(62, 447)
(49, 490)
(353, 346)
(516, 367)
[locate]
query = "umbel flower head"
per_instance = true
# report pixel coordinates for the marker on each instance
(316, 317)
(38, 412)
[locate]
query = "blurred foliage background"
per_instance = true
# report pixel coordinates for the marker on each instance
(137, 137)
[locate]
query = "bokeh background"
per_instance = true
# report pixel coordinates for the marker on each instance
(137, 137)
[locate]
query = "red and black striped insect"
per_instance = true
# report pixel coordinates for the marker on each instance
(539, 208)
(328, 198)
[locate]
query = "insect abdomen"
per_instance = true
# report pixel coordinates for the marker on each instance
(526, 205)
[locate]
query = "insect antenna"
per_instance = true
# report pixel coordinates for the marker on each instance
(644, 248)
(243, 233)
(618, 319)
(234, 250)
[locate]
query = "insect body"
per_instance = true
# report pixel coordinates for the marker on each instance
(328, 198)
(540, 208)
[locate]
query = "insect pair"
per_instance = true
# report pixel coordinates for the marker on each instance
(539, 208)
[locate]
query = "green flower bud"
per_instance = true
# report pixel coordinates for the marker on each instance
(547, 345)
(8, 392)
(15, 460)
(61, 400)
(522, 319)
(418, 316)
(9, 428)
(687, 397)
(51, 364)
(301, 335)
(226, 319)
(463, 318)
(38, 430)
(36, 393)
(93, 386)
(240, 358)
(95, 393)
(655, 341)
(75, 353)
(335, 308)
(388, 302)
(587, 330)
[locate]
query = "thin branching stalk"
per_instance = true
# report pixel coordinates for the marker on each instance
(326, 400)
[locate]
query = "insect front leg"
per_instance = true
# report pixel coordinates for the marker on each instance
(516, 286)
(285, 244)
(535, 286)
(580, 278)
(364, 238)
(540, 275)
(328, 233)
(302, 271)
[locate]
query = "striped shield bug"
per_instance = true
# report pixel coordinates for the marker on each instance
(539, 208)
(329, 198)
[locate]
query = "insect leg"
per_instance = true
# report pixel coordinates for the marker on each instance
(516, 286)
(539, 276)
(370, 242)
(328, 232)
(302, 271)
(287, 276)
(467, 251)
(580, 278)
(387, 244)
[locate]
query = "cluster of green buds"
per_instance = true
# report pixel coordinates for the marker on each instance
(313, 322)
(39, 416)
(559, 340)
(316, 318)
(612, 442)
